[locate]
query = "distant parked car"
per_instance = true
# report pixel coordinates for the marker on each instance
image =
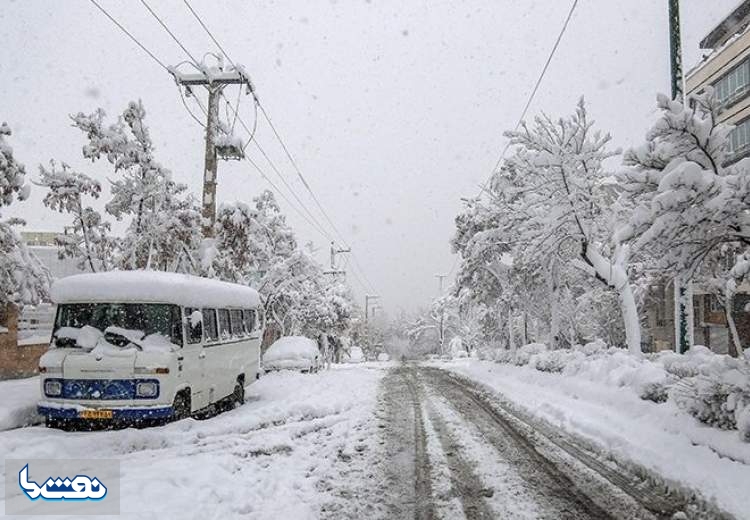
(355, 356)
(384, 357)
(292, 353)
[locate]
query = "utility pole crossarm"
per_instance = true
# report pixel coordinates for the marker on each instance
(217, 78)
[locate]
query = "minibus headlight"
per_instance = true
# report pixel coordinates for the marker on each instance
(52, 388)
(147, 389)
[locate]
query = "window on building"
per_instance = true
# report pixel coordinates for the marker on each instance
(714, 305)
(209, 325)
(739, 140)
(734, 85)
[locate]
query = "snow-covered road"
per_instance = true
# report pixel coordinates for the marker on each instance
(374, 441)
(456, 453)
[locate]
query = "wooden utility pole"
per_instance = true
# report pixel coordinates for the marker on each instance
(368, 297)
(208, 209)
(214, 82)
(441, 331)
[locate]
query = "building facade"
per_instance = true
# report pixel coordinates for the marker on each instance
(726, 68)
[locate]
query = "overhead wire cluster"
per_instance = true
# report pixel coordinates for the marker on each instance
(300, 207)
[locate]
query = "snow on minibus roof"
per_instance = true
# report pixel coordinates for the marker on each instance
(152, 287)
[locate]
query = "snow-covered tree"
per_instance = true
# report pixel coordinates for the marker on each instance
(23, 279)
(87, 238)
(251, 240)
(562, 205)
(164, 223)
(688, 198)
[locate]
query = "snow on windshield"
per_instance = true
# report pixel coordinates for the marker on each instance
(83, 324)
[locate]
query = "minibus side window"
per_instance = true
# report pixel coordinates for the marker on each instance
(225, 331)
(209, 325)
(237, 328)
(249, 320)
(193, 331)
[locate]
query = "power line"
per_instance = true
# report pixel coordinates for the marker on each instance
(123, 29)
(200, 21)
(316, 226)
(299, 174)
(314, 223)
(277, 171)
(483, 188)
(286, 199)
(192, 58)
(273, 128)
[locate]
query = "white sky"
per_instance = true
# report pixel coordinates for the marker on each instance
(394, 110)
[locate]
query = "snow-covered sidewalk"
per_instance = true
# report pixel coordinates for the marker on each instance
(266, 459)
(658, 437)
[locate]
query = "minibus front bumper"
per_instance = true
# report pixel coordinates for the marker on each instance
(62, 412)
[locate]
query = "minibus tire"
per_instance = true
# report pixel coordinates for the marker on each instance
(238, 396)
(181, 406)
(50, 422)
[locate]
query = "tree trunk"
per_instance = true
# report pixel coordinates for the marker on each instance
(729, 290)
(615, 275)
(511, 336)
(554, 328)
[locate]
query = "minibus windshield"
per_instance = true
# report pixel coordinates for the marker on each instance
(132, 320)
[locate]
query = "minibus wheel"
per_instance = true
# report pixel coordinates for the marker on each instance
(239, 393)
(181, 406)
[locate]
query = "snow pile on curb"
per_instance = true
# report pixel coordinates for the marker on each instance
(713, 388)
(18, 404)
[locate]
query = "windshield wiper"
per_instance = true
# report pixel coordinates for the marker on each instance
(65, 342)
(120, 340)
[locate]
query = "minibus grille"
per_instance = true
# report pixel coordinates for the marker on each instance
(100, 389)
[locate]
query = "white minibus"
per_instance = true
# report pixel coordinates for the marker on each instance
(147, 345)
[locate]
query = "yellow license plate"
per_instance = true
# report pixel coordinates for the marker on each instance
(95, 414)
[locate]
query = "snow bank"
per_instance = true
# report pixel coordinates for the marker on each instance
(152, 287)
(621, 425)
(291, 348)
(18, 404)
(713, 388)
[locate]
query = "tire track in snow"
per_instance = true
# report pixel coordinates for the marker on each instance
(553, 492)
(447, 505)
(407, 487)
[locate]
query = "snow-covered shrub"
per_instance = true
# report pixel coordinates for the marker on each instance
(721, 399)
(743, 423)
(595, 347)
(503, 356)
(656, 391)
(696, 361)
(554, 360)
(523, 354)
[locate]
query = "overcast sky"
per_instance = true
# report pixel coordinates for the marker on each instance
(393, 109)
